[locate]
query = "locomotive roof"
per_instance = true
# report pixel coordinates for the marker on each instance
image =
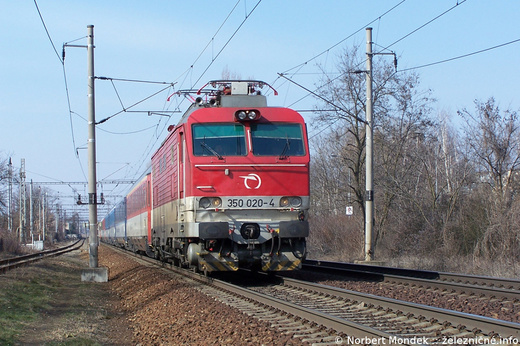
(227, 94)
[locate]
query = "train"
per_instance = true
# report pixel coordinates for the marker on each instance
(227, 189)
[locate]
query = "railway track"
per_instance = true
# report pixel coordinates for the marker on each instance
(478, 286)
(399, 319)
(323, 314)
(15, 262)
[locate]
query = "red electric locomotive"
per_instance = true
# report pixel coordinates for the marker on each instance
(230, 184)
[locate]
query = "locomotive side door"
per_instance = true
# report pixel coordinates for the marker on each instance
(181, 182)
(181, 154)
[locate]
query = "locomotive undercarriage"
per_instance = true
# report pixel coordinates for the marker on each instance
(207, 255)
(277, 254)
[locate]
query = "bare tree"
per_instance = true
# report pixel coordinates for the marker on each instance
(441, 179)
(3, 192)
(493, 140)
(401, 114)
(227, 74)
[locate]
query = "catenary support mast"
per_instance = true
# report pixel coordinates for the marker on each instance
(369, 198)
(23, 197)
(91, 148)
(10, 198)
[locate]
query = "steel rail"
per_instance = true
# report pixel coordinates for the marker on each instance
(487, 325)
(469, 284)
(329, 321)
(477, 325)
(14, 262)
(338, 324)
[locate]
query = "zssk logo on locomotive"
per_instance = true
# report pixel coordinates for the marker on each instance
(252, 181)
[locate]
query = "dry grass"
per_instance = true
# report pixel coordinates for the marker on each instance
(47, 304)
(9, 243)
(459, 264)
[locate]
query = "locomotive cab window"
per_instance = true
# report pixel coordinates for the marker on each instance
(277, 139)
(219, 140)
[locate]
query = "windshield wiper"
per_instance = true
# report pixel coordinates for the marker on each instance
(286, 147)
(211, 150)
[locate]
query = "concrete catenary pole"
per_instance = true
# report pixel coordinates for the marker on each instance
(31, 219)
(10, 198)
(23, 196)
(91, 149)
(57, 221)
(369, 198)
(44, 197)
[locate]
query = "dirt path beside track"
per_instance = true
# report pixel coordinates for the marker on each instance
(59, 308)
(138, 306)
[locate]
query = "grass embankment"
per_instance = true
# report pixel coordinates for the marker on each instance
(47, 304)
(21, 300)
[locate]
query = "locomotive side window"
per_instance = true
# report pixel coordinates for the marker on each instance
(276, 139)
(219, 140)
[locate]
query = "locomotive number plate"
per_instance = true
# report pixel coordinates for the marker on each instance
(252, 203)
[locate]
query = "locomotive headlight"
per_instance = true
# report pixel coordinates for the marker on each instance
(284, 202)
(210, 202)
(247, 115)
(293, 202)
(204, 202)
(241, 115)
(216, 202)
(296, 201)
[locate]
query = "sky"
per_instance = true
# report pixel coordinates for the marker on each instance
(189, 43)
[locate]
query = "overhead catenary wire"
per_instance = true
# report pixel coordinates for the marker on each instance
(47, 31)
(71, 112)
(227, 42)
(383, 49)
(155, 138)
(133, 105)
(323, 99)
(187, 72)
(162, 121)
(461, 56)
(62, 62)
(432, 64)
(128, 132)
(214, 58)
(425, 24)
(300, 66)
(346, 38)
